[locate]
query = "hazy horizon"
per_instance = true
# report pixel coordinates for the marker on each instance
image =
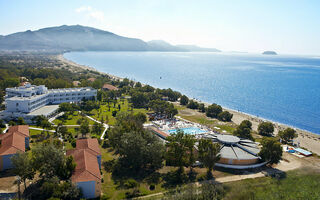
(287, 27)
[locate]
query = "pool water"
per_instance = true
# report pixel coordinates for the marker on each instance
(191, 130)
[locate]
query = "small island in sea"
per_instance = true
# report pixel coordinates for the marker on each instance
(269, 53)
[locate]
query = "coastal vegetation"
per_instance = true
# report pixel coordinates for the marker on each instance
(53, 170)
(287, 135)
(265, 129)
(134, 161)
(297, 184)
(244, 130)
(271, 150)
(208, 154)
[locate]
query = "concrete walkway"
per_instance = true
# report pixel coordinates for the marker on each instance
(7, 127)
(106, 126)
(40, 129)
(55, 117)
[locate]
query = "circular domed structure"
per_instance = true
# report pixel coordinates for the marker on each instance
(236, 151)
(228, 139)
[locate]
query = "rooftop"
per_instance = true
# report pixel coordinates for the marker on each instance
(233, 147)
(45, 110)
(71, 89)
(87, 168)
(109, 87)
(12, 143)
(22, 130)
(89, 144)
(158, 132)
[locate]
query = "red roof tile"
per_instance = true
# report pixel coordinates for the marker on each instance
(89, 144)
(23, 129)
(12, 143)
(91, 79)
(87, 168)
(158, 132)
(109, 87)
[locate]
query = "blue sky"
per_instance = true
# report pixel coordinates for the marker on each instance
(286, 26)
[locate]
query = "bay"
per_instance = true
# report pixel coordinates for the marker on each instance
(284, 89)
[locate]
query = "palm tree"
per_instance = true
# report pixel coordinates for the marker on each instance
(209, 154)
(189, 142)
(18, 182)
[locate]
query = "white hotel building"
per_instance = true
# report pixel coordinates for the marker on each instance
(29, 100)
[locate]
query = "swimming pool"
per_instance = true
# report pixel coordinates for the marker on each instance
(191, 130)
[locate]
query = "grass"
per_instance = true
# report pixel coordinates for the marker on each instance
(113, 190)
(34, 132)
(298, 184)
(104, 111)
(200, 118)
(72, 119)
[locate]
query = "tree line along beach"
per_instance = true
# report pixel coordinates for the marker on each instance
(305, 139)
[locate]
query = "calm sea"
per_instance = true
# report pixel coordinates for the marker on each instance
(284, 89)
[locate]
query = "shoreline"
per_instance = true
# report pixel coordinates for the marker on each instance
(307, 139)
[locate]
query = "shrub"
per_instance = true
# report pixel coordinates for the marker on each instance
(106, 144)
(265, 129)
(73, 143)
(152, 187)
(134, 193)
(130, 183)
(202, 108)
(271, 150)
(225, 116)
(213, 110)
(193, 104)
(184, 100)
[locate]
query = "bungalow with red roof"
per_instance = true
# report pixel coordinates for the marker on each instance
(87, 176)
(108, 87)
(92, 145)
(91, 79)
(14, 141)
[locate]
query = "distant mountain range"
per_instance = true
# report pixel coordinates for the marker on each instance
(82, 38)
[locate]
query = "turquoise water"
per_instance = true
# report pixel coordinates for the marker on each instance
(190, 131)
(284, 89)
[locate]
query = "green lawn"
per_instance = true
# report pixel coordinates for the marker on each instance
(111, 189)
(298, 184)
(72, 119)
(104, 111)
(200, 118)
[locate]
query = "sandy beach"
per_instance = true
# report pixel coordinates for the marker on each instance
(75, 67)
(308, 140)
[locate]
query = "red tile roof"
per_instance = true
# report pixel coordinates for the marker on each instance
(91, 79)
(87, 168)
(14, 140)
(22, 129)
(158, 132)
(109, 87)
(89, 144)
(12, 143)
